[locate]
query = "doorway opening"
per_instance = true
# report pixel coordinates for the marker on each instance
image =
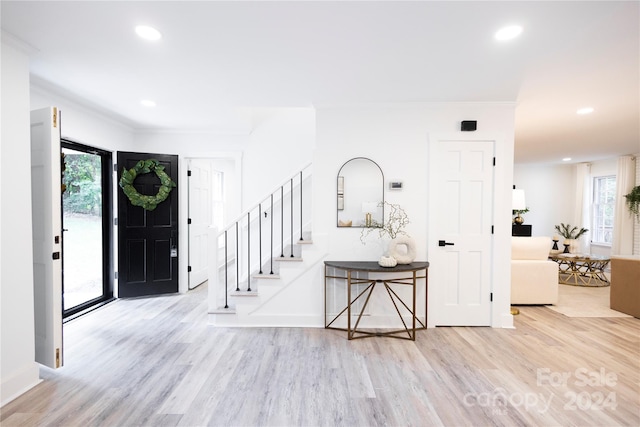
(87, 280)
(205, 193)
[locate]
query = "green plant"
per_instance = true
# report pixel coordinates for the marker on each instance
(517, 212)
(520, 211)
(633, 201)
(142, 167)
(568, 232)
(82, 183)
(397, 220)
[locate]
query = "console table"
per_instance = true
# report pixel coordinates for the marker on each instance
(409, 279)
(581, 270)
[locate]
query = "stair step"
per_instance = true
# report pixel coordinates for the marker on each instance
(222, 310)
(288, 259)
(266, 276)
(305, 242)
(243, 293)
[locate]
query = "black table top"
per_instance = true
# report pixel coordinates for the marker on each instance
(374, 267)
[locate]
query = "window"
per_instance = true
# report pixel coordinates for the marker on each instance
(604, 196)
(217, 199)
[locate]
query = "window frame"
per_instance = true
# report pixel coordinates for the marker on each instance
(603, 212)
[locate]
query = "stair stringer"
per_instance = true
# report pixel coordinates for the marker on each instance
(296, 299)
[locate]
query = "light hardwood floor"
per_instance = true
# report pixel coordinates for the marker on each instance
(156, 362)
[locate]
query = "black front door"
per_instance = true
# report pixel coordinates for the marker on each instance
(147, 239)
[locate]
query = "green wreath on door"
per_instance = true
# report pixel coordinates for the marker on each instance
(142, 167)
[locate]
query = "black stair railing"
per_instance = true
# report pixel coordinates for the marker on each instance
(252, 218)
(291, 240)
(260, 236)
(301, 238)
(237, 257)
(282, 221)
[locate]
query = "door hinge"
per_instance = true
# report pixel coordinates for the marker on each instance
(491, 296)
(115, 167)
(492, 229)
(55, 117)
(494, 161)
(115, 275)
(56, 255)
(188, 173)
(189, 269)
(115, 221)
(189, 221)
(57, 357)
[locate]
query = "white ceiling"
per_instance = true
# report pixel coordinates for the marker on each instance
(219, 60)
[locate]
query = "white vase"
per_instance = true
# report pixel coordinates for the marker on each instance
(403, 249)
(574, 245)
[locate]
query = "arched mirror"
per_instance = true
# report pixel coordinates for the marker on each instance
(360, 193)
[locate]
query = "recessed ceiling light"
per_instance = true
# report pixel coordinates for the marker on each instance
(566, 159)
(586, 110)
(148, 33)
(148, 103)
(508, 33)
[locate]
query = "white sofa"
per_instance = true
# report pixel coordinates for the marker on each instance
(534, 278)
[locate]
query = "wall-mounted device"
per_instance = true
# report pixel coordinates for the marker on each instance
(395, 185)
(468, 125)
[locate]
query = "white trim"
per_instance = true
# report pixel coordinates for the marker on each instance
(19, 383)
(16, 42)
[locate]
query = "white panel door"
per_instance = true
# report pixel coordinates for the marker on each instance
(47, 235)
(460, 231)
(200, 218)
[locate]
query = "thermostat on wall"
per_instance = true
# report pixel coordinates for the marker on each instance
(395, 185)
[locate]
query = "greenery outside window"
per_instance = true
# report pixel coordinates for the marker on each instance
(604, 197)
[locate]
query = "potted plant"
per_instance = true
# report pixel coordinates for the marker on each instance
(518, 219)
(633, 201)
(571, 235)
(397, 220)
(393, 228)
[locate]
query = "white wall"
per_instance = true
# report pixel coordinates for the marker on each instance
(280, 145)
(396, 137)
(18, 370)
(83, 125)
(549, 191)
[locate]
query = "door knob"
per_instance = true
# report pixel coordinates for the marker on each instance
(443, 243)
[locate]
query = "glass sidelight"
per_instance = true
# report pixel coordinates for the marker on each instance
(86, 222)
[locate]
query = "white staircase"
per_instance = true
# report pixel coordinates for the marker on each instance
(261, 279)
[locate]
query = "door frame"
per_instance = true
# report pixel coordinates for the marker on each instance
(233, 203)
(501, 316)
(106, 166)
(120, 222)
(467, 242)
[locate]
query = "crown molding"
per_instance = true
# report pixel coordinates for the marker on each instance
(12, 40)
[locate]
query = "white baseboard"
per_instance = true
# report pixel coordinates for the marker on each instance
(19, 383)
(266, 321)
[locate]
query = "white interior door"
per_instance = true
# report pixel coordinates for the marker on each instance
(200, 218)
(460, 231)
(47, 235)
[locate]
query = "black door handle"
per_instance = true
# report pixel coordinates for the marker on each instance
(443, 243)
